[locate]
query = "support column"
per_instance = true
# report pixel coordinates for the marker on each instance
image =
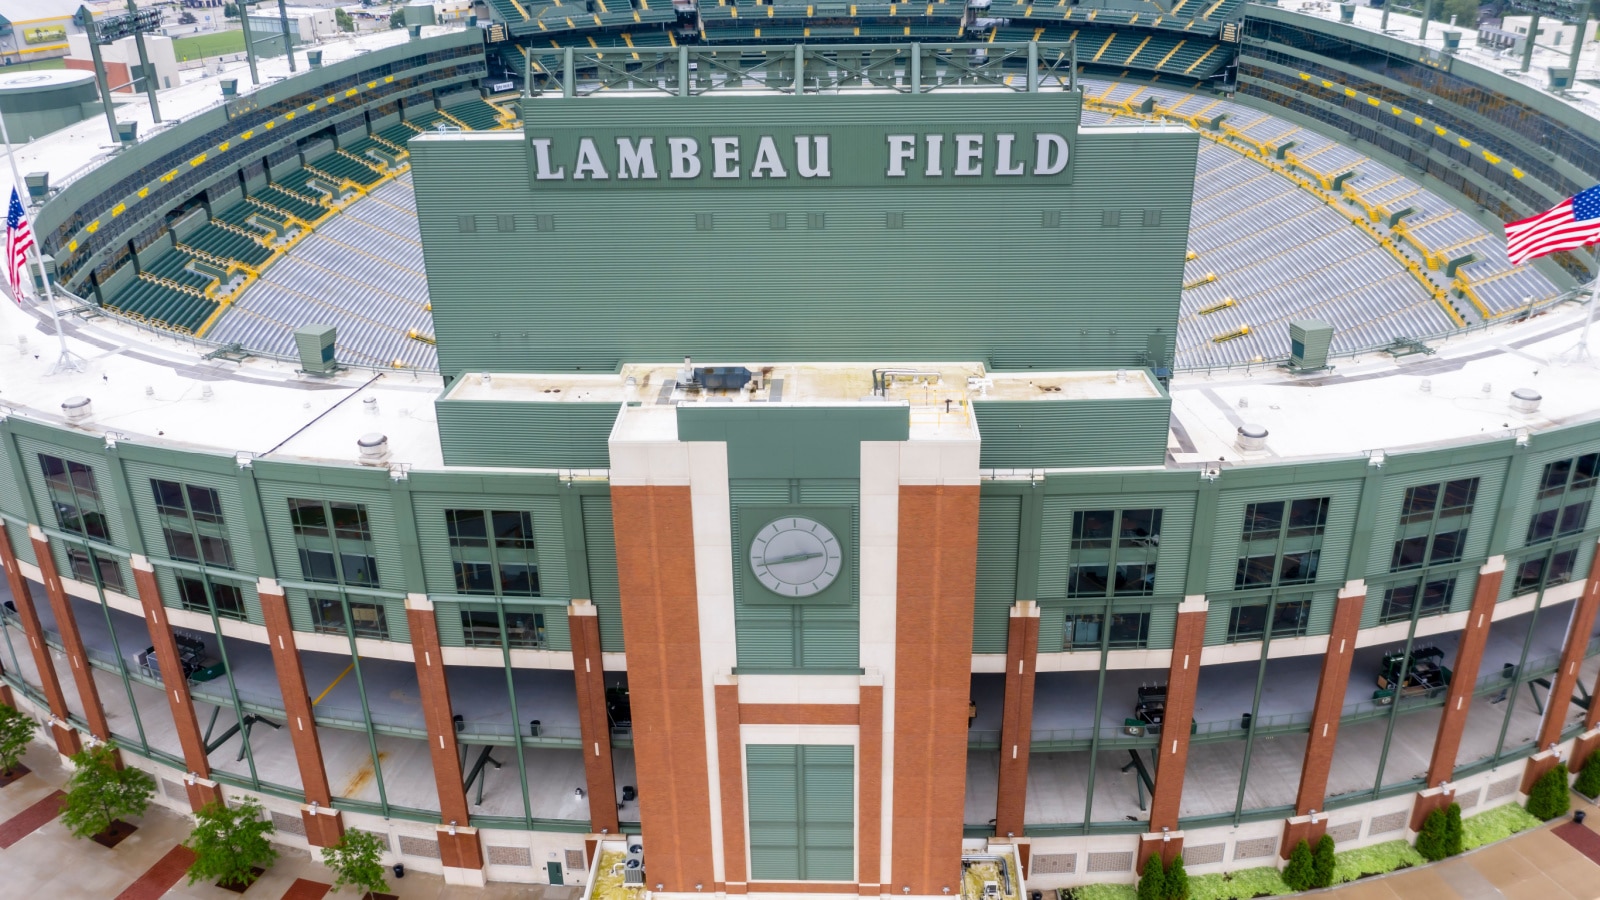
(324, 826)
(459, 848)
(71, 640)
(65, 738)
(730, 774)
(201, 789)
(1172, 754)
(869, 862)
(1016, 724)
(936, 576)
(654, 532)
(1305, 825)
(1589, 741)
(1579, 627)
(594, 725)
(1469, 656)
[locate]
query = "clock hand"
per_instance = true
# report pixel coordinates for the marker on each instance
(792, 558)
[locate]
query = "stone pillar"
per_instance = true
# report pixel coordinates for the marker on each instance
(1331, 685)
(202, 790)
(65, 738)
(1016, 724)
(654, 531)
(1565, 682)
(324, 825)
(1469, 656)
(730, 775)
(869, 796)
(458, 842)
(1172, 753)
(936, 576)
(71, 640)
(594, 724)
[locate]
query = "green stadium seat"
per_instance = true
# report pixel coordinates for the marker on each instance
(476, 113)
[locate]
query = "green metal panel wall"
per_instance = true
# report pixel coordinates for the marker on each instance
(605, 591)
(781, 636)
(801, 811)
(1491, 475)
(1343, 496)
(1073, 433)
(140, 475)
(526, 435)
(689, 291)
(999, 527)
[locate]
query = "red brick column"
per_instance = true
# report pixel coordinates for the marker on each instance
(936, 579)
(594, 725)
(869, 799)
(1016, 724)
(1331, 685)
(324, 826)
(654, 530)
(1566, 678)
(202, 790)
(1172, 754)
(71, 639)
(1469, 656)
(66, 739)
(459, 850)
(730, 777)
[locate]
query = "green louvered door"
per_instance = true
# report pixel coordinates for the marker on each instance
(802, 812)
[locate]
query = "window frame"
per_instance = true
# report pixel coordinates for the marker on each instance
(1123, 557)
(481, 562)
(1279, 531)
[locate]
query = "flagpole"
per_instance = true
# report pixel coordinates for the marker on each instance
(68, 361)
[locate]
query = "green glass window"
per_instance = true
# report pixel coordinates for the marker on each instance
(334, 614)
(1288, 617)
(492, 552)
(76, 501)
(1433, 524)
(334, 542)
(1423, 597)
(1122, 629)
(1566, 491)
(480, 626)
(1114, 553)
(191, 523)
(1281, 542)
(197, 594)
(1550, 567)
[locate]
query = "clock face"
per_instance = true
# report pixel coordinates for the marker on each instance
(796, 556)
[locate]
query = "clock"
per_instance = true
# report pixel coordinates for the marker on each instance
(796, 556)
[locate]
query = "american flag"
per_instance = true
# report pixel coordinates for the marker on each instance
(19, 240)
(1572, 223)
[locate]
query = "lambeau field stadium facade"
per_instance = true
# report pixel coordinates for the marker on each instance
(809, 492)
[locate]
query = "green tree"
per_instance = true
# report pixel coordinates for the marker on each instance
(229, 844)
(397, 19)
(101, 792)
(1452, 829)
(356, 862)
(1588, 783)
(16, 730)
(1177, 881)
(1464, 11)
(1549, 797)
(344, 20)
(230, 11)
(1298, 873)
(1153, 883)
(1322, 863)
(1430, 840)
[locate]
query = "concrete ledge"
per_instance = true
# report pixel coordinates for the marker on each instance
(1166, 844)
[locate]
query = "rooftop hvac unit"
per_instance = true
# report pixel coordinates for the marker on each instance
(1309, 340)
(1347, 12)
(38, 185)
(1452, 41)
(315, 344)
(1560, 79)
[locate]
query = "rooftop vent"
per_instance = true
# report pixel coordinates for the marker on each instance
(77, 409)
(1525, 400)
(374, 449)
(1251, 438)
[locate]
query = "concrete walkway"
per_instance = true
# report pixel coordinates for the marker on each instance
(47, 862)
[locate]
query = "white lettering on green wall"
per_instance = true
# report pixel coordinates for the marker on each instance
(972, 156)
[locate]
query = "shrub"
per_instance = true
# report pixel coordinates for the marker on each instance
(16, 730)
(1242, 885)
(1374, 860)
(230, 843)
(1549, 797)
(1430, 840)
(1177, 881)
(100, 792)
(1104, 892)
(356, 861)
(1297, 874)
(1500, 822)
(1322, 863)
(1452, 829)
(1153, 882)
(1588, 783)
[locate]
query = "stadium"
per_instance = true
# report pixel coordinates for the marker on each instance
(814, 448)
